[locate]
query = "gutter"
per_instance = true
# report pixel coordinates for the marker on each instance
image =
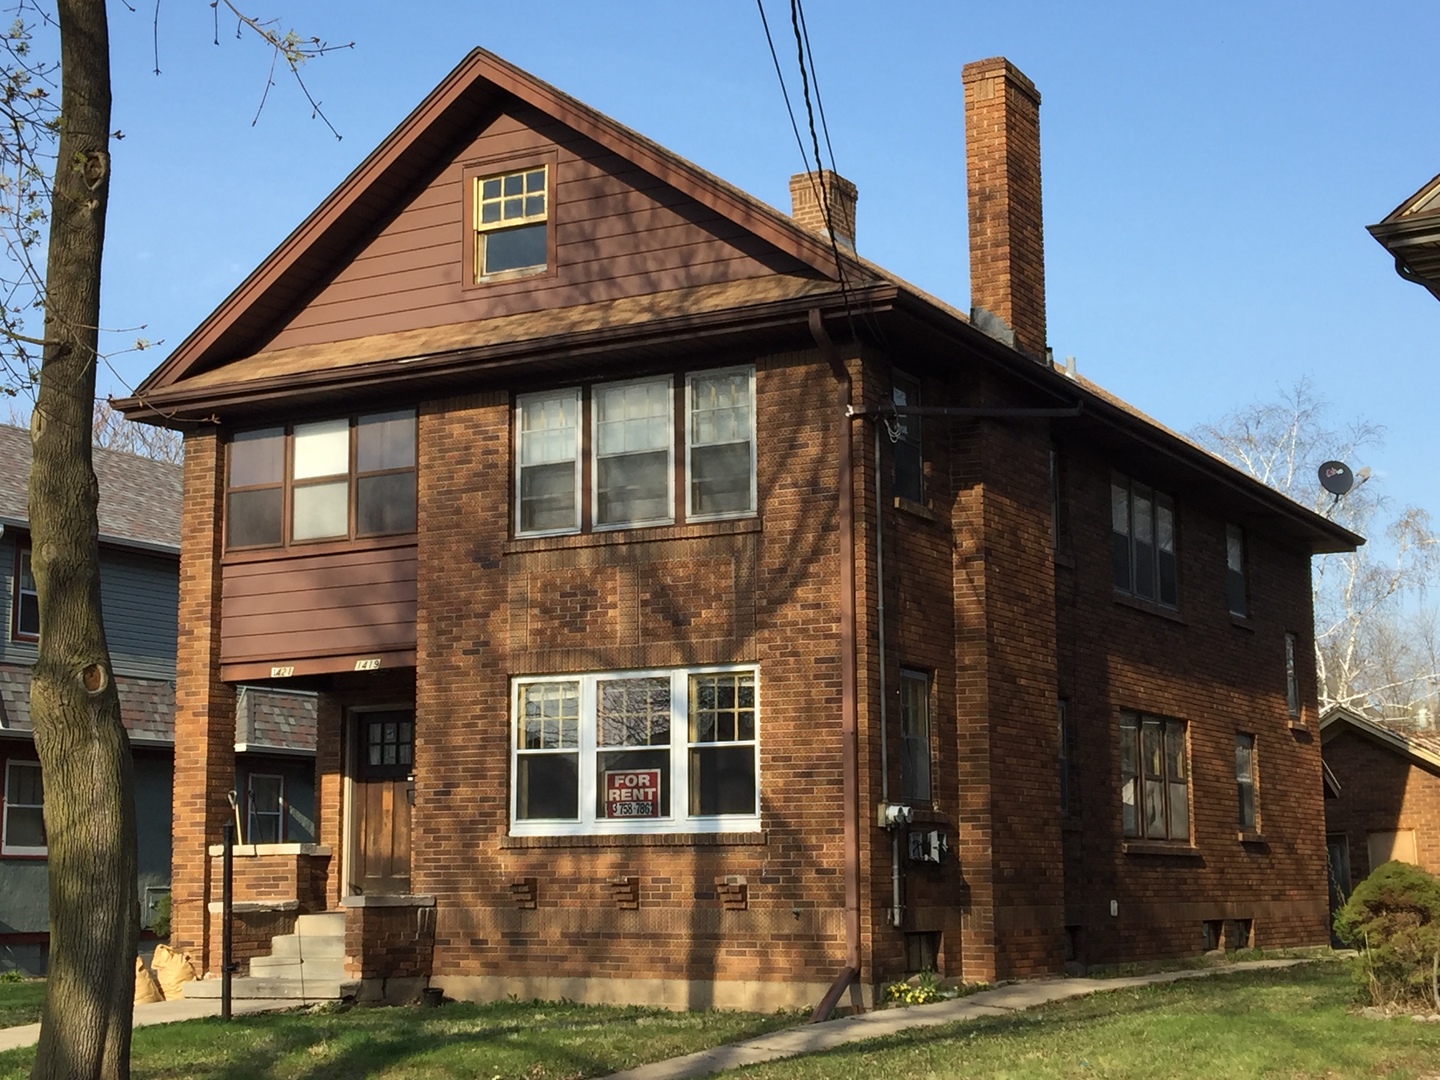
(848, 673)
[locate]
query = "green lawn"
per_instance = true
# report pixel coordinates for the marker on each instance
(534, 1041)
(1291, 1023)
(20, 1002)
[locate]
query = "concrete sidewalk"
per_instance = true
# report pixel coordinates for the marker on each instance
(159, 1012)
(813, 1038)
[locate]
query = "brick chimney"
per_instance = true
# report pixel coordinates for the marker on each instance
(1007, 246)
(806, 208)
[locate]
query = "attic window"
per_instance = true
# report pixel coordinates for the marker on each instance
(510, 215)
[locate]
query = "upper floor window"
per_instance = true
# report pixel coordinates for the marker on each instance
(1142, 523)
(915, 736)
(1292, 677)
(1235, 569)
(909, 461)
(326, 480)
(25, 618)
(511, 211)
(1154, 777)
(627, 467)
(24, 825)
(662, 751)
(1245, 778)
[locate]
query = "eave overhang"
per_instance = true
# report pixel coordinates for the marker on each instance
(1411, 234)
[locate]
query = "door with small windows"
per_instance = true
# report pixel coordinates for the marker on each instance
(382, 793)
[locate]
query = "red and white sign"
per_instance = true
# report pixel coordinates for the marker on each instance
(632, 793)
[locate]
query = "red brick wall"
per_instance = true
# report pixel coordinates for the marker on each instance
(389, 942)
(1381, 790)
(1220, 675)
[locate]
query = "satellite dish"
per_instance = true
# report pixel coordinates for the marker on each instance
(1336, 478)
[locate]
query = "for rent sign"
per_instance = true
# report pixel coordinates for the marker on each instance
(632, 793)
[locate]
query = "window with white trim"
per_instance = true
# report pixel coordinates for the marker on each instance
(26, 616)
(24, 825)
(1142, 524)
(265, 798)
(627, 470)
(511, 211)
(647, 751)
(1154, 777)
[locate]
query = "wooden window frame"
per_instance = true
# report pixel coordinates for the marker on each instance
(1135, 581)
(916, 737)
(23, 556)
(288, 485)
(18, 851)
(1246, 782)
(473, 174)
(907, 437)
(1133, 783)
(587, 750)
(679, 465)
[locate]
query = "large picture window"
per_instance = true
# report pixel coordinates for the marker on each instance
(24, 825)
(657, 751)
(1154, 777)
(1142, 523)
(628, 466)
(335, 479)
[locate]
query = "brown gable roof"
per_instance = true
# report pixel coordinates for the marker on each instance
(1422, 747)
(1411, 233)
(474, 90)
(139, 497)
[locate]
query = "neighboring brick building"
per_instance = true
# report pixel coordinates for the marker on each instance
(1384, 800)
(569, 477)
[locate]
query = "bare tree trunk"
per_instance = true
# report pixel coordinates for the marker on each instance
(83, 748)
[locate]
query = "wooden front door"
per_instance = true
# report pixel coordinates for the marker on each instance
(384, 789)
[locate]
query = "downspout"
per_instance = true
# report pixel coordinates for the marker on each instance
(896, 919)
(850, 775)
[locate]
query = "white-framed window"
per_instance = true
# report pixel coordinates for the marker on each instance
(628, 469)
(720, 451)
(265, 797)
(511, 211)
(636, 751)
(915, 736)
(25, 622)
(633, 437)
(1154, 777)
(24, 825)
(547, 462)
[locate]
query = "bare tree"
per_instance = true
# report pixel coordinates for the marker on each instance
(54, 188)
(110, 430)
(1369, 634)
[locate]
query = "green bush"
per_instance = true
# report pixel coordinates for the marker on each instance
(160, 921)
(1393, 918)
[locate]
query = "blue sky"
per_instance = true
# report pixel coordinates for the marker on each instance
(1208, 169)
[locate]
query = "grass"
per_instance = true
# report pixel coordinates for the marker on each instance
(534, 1041)
(20, 1001)
(1292, 1023)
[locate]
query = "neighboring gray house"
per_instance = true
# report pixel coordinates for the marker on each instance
(139, 576)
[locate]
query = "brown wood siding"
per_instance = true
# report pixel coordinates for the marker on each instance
(618, 232)
(333, 604)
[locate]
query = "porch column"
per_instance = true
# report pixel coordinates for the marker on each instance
(204, 706)
(330, 790)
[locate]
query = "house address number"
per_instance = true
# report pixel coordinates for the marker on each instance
(371, 664)
(282, 672)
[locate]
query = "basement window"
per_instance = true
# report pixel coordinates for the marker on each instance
(511, 213)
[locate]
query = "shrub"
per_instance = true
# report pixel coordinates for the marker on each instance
(1393, 917)
(160, 921)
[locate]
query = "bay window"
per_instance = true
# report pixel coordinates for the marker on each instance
(335, 479)
(658, 751)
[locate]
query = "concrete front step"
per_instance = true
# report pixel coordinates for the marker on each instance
(291, 967)
(295, 947)
(323, 924)
(254, 988)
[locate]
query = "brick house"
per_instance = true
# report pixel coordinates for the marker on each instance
(702, 614)
(1383, 799)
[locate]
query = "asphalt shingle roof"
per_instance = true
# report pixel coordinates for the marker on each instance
(139, 497)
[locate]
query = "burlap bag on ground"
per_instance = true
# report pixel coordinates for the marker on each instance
(146, 989)
(172, 971)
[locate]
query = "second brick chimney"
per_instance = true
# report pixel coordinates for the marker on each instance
(1007, 247)
(809, 212)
